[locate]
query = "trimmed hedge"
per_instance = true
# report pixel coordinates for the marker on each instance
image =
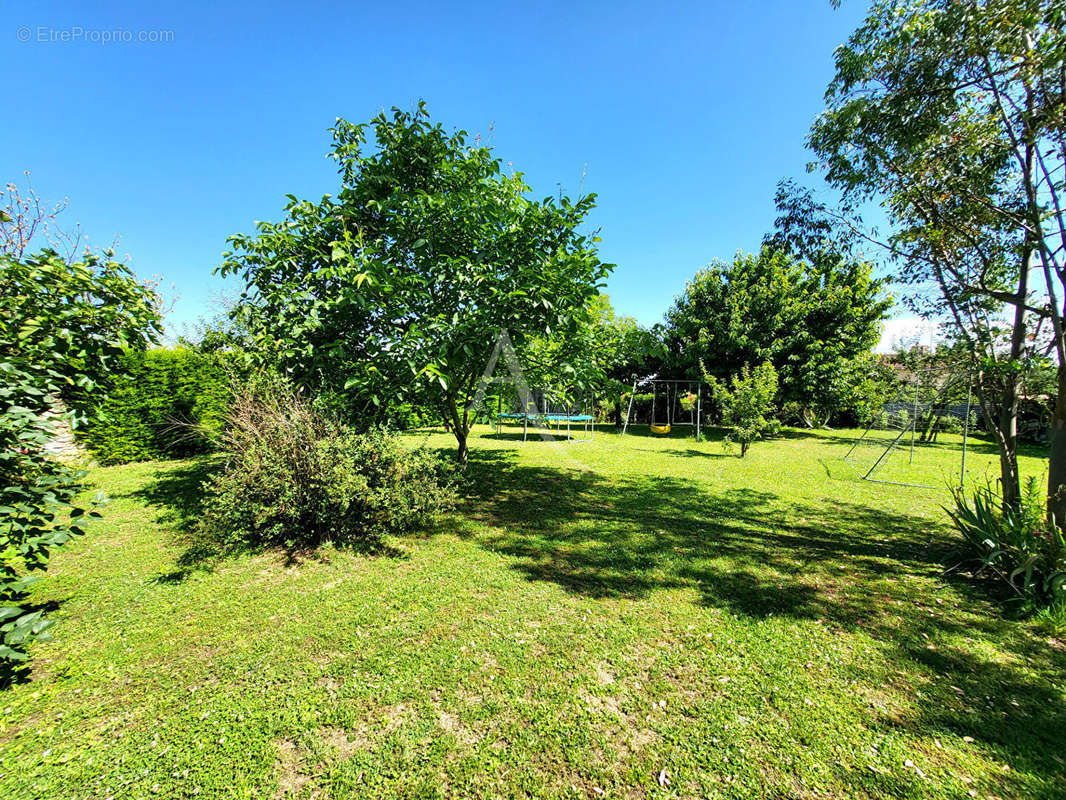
(166, 403)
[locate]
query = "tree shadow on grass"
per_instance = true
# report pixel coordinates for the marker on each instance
(533, 435)
(630, 535)
(977, 441)
(680, 432)
(175, 492)
(692, 452)
(756, 554)
(664, 534)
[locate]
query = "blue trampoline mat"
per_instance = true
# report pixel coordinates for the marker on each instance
(548, 417)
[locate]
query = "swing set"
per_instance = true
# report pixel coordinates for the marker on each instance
(673, 403)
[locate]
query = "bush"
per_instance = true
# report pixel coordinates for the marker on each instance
(1017, 545)
(62, 327)
(37, 511)
(166, 403)
(297, 476)
(948, 423)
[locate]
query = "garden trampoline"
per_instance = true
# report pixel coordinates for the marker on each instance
(547, 420)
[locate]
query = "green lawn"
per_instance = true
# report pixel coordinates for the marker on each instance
(632, 617)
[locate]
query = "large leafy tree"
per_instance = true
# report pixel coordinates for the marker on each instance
(401, 284)
(632, 352)
(811, 321)
(953, 114)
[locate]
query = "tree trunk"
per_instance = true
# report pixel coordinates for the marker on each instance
(929, 425)
(463, 453)
(1002, 422)
(460, 427)
(1056, 479)
(1006, 428)
(618, 412)
(1008, 476)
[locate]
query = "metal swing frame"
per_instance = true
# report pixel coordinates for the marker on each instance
(912, 429)
(671, 385)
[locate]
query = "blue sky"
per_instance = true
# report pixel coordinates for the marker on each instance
(685, 114)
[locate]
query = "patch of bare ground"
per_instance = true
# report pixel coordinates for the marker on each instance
(450, 723)
(289, 767)
(343, 742)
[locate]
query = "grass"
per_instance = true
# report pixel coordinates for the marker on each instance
(631, 617)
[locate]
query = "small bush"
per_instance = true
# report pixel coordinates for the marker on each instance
(641, 407)
(948, 423)
(297, 476)
(1017, 545)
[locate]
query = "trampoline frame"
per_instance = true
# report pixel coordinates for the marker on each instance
(588, 423)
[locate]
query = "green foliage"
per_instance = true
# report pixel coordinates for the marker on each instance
(37, 510)
(1017, 544)
(641, 406)
(748, 404)
(63, 329)
(165, 403)
(604, 351)
(435, 231)
(296, 476)
(70, 324)
(816, 324)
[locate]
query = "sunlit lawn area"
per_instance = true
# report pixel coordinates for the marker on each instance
(629, 617)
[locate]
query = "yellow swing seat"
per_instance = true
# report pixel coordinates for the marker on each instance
(661, 430)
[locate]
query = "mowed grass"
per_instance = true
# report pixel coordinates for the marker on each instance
(631, 617)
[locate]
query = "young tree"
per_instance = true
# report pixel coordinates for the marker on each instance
(747, 404)
(953, 114)
(811, 321)
(402, 283)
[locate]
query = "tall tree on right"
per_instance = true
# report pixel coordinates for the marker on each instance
(951, 113)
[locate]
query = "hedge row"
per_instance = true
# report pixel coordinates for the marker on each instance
(162, 403)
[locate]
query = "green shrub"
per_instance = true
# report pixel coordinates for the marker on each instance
(37, 510)
(166, 403)
(640, 409)
(297, 476)
(62, 327)
(1017, 545)
(948, 423)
